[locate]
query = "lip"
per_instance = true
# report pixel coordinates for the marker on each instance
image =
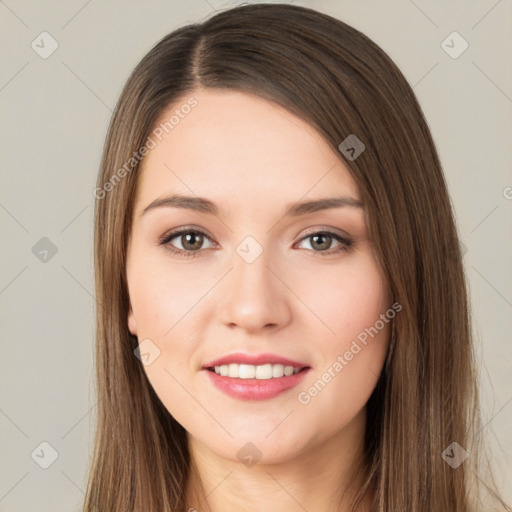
(255, 360)
(255, 389)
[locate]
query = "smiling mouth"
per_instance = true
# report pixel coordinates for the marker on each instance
(260, 372)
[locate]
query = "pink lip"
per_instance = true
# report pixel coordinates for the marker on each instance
(254, 360)
(255, 389)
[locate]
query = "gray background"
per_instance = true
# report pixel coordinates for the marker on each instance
(55, 113)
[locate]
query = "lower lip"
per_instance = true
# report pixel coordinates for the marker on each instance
(256, 389)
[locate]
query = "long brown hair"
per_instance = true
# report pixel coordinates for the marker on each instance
(342, 83)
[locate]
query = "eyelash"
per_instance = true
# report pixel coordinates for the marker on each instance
(346, 243)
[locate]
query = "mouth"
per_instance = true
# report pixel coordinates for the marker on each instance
(255, 377)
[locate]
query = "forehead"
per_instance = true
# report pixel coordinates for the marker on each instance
(238, 147)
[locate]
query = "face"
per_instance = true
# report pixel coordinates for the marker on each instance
(247, 311)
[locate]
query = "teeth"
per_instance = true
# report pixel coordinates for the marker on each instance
(277, 370)
(246, 371)
(262, 372)
(233, 370)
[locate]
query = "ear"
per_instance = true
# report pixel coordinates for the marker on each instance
(132, 323)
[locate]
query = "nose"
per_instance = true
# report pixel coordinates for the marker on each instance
(254, 297)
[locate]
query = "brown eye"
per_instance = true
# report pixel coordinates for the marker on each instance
(186, 241)
(192, 241)
(321, 243)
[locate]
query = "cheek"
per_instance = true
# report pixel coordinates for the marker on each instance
(350, 355)
(164, 304)
(162, 297)
(345, 299)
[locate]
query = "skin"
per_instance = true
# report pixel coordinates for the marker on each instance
(253, 159)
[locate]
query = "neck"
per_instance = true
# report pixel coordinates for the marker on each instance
(321, 478)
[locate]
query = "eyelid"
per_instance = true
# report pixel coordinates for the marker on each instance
(168, 235)
(326, 229)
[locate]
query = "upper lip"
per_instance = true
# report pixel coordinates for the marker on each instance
(255, 360)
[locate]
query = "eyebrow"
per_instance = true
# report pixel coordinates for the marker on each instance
(203, 205)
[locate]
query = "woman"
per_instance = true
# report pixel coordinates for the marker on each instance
(283, 317)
